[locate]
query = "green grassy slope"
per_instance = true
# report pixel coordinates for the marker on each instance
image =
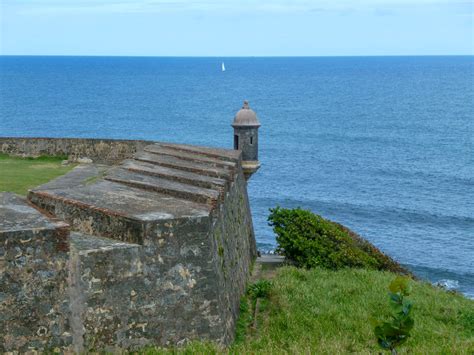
(329, 312)
(20, 174)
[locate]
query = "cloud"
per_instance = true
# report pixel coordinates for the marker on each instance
(380, 7)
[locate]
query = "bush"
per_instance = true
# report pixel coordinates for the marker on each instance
(309, 240)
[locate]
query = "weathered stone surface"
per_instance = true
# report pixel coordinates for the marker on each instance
(271, 260)
(233, 250)
(186, 165)
(175, 175)
(34, 310)
(246, 125)
(84, 160)
(162, 248)
(158, 184)
(104, 276)
(102, 151)
(223, 154)
(81, 175)
(190, 155)
(163, 292)
(114, 210)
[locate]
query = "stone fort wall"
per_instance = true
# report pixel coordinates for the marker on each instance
(102, 151)
(156, 250)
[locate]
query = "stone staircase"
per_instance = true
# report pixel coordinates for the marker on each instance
(164, 181)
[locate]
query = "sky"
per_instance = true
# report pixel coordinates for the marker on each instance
(236, 28)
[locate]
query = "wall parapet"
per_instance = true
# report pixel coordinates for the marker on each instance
(101, 151)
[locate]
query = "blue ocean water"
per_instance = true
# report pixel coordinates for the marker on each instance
(383, 145)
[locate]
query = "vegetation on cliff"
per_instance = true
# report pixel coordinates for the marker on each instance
(309, 240)
(20, 174)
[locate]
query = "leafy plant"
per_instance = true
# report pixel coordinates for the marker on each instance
(309, 240)
(395, 332)
(260, 289)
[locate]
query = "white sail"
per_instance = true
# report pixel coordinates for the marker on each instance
(223, 66)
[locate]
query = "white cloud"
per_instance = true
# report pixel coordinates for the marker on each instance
(230, 6)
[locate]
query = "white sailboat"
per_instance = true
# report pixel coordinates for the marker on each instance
(223, 66)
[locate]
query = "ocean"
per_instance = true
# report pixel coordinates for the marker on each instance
(383, 145)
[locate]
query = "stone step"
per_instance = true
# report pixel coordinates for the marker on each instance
(191, 156)
(271, 260)
(85, 244)
(114, 210)
(176, 175)
(165, 186)
(224, 154)
(19, 219)
(180, 164)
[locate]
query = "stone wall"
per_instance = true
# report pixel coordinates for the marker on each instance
(234, 251)
(160, 254)
(34, 305)
(184, 281)
(102, 151)
(163, 292)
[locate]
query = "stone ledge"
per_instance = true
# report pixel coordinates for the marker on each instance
(225, 154)
(186, 165)
(85, 244)
(175, 175)
(191, 156)
(169, 187)
(271, 260)
(17, 216)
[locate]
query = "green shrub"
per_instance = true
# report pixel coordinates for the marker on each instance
(309, 240)
(395, 332)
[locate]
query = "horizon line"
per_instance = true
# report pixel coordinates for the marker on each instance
(238, 56)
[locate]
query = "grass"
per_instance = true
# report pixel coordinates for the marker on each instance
(331, 312)
(20, 174)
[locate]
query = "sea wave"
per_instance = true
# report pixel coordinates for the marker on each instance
(447, 284)
(387, 213)
(448, 279)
